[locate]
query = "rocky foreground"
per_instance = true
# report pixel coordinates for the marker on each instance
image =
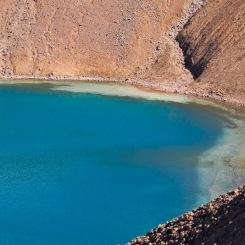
(221, 221)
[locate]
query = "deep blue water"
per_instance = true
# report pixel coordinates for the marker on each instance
(89, 169)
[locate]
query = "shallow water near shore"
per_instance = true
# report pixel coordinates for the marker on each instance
(84, 168)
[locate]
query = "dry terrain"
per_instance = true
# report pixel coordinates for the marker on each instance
(214, 47)
(89, 38)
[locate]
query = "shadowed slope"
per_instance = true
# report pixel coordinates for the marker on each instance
(214, 47)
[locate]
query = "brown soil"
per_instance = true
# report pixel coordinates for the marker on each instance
(214, 45)
(89, 38)
(220, 222)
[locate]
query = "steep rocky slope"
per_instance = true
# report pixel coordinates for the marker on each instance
(220, 222)
(214, 45)
(89, 38)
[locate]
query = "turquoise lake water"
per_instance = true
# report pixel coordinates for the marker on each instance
(91, 169)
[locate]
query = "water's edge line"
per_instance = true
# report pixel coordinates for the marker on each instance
(143, 92)
(166, 89)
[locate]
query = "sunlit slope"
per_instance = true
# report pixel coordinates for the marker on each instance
(114, 38)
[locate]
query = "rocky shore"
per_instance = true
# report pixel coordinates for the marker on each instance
(219, 222)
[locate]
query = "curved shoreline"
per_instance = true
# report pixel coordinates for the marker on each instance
(175, 88)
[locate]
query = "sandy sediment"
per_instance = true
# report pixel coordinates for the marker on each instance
(181, 87)
(113, 87)
(191, 89)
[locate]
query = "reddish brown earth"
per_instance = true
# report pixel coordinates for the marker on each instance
(90, 38)
(214, 45)
(220, 222)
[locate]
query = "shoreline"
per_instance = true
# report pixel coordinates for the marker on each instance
(175, 88)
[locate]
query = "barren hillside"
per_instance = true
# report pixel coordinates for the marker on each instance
(88, 38)
(214, 45)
